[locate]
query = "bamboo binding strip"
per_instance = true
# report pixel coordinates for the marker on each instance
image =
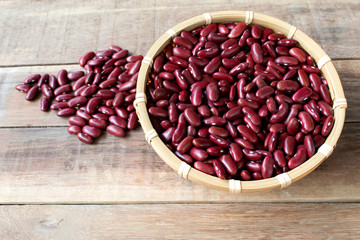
(235, 186)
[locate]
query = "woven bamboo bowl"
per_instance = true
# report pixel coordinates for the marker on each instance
(236, 186)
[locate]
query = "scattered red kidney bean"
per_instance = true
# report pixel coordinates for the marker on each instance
(101, 98)
(242, 101)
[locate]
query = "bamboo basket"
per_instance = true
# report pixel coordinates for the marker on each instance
(236, 186)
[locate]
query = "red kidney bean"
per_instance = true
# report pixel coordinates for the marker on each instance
(241, 67)
(228, 164)
(252, 115)
(315, 82)
(265, 92)
(213, 65)
(66, 112)
(77, 101)
(44, 104)
(32, 78)
(263, 111)
(302, 94)
(245, 175)
(287, 86)
(204, 111)
(47, 91)
(282, 51)
(91, 131)
(244, 143)
(62, 89)
(106, 110)
(185, 145)
(202, 142)
(77, 121)
(222, 142)
(247, 133)
(237, 30)
(271, 105)
(60, 105)
(279, 158)
(82, 114)
(289, 145)
(85, 58)
(192, 117)
(273, 142)
(309, 145)
(311, 69)
(230, 51)
(277, 128)
(219, 169)
(299, 158)
(257, 53)
(115, 120)
(204, 167)
(32, 93)
(314, 113)
(325, 94)
(287, 42)
(253, 166)
(234, 113)
(218, 131)
(133, 121)
(196, 96)
(293, 126)
(286, 60)
(307, 122)
(22, 88)
(267, 167)
(85, 138)
(43, 79)
(215, 151)
(236, 152)
(101, 116)
(183, 42)
(98, 123)
(134, 58)
(64, 97)
(298, 53)
(198, 154)
(72, 76)
(281, 114)
(115, 130)
(62, 77)
(318, 140)
(256, 31)
(74, 129)
(327, 126)
(167, 134)
(325, 108)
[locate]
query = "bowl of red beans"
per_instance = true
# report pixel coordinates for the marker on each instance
(240, 101)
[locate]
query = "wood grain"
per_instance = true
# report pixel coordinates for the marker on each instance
(61, 169)
(15, 111)
(60, 32)
(182, 221)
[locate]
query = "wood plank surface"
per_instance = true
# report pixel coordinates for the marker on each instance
(136, 195)
(15, 111)
(182, 221)
(51, 32)
(47, 165)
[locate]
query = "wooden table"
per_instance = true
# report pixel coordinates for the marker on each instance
(54, 187)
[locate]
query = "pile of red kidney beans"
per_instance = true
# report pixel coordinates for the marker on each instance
(101, 98)
(232, 100)
(239, 101)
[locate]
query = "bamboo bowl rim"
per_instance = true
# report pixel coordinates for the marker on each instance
(236, 186)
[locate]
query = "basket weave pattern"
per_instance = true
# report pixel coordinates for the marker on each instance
(236, 186)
